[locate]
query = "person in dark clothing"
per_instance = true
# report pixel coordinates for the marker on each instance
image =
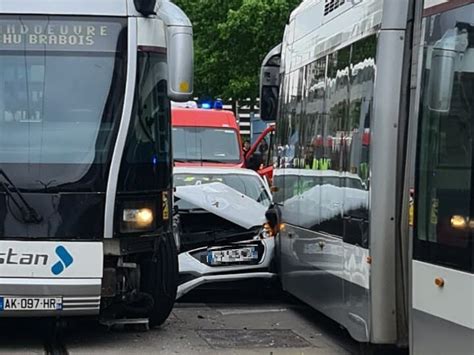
(255, 161)
(246, 147)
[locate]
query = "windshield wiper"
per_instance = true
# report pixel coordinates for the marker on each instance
(28, 213)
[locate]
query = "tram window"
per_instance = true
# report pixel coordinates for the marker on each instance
(445, 218)
(282, 146)
(146, 161)
(61, 104)
(356, 158)
(41, 129)
(361, 97)
(332, 137)
(293, 149)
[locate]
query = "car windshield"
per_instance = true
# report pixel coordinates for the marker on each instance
(195, 144)
(248, 185)
(61, 93)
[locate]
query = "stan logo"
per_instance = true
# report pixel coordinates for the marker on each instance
(65, 260)
(11, 258)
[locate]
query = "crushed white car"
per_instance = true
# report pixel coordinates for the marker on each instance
(220, 223)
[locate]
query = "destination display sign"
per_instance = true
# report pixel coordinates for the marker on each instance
(71, 34)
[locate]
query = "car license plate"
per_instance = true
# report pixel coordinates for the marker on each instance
(230, 256)
(12, 303)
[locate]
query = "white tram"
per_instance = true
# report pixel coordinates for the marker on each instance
(85, 156)
(381, 90)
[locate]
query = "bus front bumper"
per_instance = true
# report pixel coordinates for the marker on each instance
(43, 279)
(49, 297)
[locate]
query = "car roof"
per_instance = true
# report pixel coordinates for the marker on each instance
(193, 117)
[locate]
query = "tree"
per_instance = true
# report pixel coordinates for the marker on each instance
(231, 39)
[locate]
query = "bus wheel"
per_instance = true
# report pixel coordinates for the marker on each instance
(160, 279)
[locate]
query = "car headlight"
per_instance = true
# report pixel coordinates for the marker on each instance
(137, 219)
(266, 232)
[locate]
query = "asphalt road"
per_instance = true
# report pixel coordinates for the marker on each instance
(236, 321)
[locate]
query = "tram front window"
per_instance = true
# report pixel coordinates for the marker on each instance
(61, 96)
(445, 214)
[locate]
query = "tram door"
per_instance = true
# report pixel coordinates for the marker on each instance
(443, 249)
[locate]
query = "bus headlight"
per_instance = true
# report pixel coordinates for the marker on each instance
(137, 220)
(458, 222)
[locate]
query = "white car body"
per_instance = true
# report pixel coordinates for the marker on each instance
(234, 206)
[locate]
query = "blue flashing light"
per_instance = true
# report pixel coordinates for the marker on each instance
(218, 105)
(206, 106)
(155, 160)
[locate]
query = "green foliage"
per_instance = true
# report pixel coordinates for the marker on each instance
(231, 39)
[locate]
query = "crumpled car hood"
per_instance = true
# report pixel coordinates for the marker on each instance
(225, 202)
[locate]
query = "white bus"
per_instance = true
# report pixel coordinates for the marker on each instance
(380, 89)
(85, 156)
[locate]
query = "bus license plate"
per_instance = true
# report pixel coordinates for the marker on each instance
(229, 256)
(10, 304)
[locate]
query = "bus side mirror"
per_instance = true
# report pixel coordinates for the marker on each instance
(180, 51)
(269, 103)
(180, 63)
(441, 80)
(270, 85)
(444, 57)
(145, 7)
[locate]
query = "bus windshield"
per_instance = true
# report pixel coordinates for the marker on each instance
(205, 144)
(61, 96)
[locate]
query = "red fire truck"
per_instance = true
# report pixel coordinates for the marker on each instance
(206, 137)
(210, 136)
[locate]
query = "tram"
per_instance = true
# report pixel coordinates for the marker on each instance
(373, 167)
(85, 156)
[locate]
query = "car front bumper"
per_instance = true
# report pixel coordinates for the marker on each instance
(198, 272)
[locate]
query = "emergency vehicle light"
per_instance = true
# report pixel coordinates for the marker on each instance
(218, 105)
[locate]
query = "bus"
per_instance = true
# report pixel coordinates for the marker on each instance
(373, 165)
(85, 156)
